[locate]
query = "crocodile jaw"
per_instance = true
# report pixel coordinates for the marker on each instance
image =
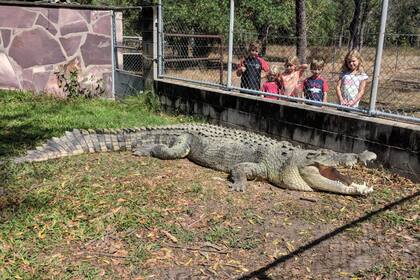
(310, 174)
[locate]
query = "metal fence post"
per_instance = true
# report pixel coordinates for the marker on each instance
(378, 58)
(160, 39)
(113, 52)
(230, 44)
(148, 21)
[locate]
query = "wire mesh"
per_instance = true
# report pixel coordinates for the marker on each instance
(194, 56)
(280, 50)
(399, 84)
(130, 48)
(132, 54)
(202, 58)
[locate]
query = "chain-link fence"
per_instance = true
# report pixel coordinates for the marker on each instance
(399, 85)
(191, 54)
(132, 55)
(187, 55)
(128, 46)
(128, 56)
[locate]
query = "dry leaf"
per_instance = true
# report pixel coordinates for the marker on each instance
(170, 236)
(289, 246)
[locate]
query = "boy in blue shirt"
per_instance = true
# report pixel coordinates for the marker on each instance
(315, 87)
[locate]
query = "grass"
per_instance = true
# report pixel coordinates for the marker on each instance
(44, 211)
(27, 119)
(115, 216)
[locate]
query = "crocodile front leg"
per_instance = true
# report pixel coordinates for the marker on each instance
(179, 149)
(242, 172)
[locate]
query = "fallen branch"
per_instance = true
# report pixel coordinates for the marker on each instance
(308, 199)
(196, 221)
(195, 249)
(104, 254)
(106, 215)
(222, 264)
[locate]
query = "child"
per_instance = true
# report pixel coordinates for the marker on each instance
(290, 78)
(352, 83)
(316, 87)
(271, 85)
(249, 68)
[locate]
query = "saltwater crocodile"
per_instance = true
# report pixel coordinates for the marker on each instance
(245, 155)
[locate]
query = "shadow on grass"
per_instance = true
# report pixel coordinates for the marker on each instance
(262, 272)
(22, 125)
(15, 139)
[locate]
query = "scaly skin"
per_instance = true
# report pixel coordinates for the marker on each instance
(245, 155)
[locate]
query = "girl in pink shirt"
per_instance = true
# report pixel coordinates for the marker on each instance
(271, 85)
(290, 78)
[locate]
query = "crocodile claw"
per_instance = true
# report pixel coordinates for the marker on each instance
(237, 187)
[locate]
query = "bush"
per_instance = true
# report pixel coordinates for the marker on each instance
(69, 82)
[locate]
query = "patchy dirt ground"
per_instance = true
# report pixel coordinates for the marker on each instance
(146, 218)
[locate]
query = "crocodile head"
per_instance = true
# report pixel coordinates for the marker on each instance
(322, 174)
(317, 171)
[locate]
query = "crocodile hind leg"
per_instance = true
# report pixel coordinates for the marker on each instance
(179, 149)
(242, 172)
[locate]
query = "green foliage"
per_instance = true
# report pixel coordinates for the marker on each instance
(261, 15)
(254, 19)
(259, 19)
(73, 87)
(321, 21)
(151, 101)
(209, 17)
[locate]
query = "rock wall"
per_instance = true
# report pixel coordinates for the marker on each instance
(37, 43)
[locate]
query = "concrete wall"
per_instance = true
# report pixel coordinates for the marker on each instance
(37, 42)
(127, 84)
(396, 144)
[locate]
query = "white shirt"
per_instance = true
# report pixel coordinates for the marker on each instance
(350, 84)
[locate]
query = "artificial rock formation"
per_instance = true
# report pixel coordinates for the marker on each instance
(35, 43)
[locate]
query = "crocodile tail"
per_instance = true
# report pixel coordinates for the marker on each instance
(82, 141)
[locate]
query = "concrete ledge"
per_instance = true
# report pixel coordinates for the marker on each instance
(396, 144)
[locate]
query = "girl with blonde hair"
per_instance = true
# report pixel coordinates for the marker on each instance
(352, 82)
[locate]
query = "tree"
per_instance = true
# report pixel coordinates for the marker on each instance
(264, 18)
(301, 42)
(404, 19)
(362, 9)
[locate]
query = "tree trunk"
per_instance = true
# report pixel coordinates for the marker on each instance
(263, 38)
(363, 21)
(301, 30)
(355, 25)
(340, 39)
(342, 22)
